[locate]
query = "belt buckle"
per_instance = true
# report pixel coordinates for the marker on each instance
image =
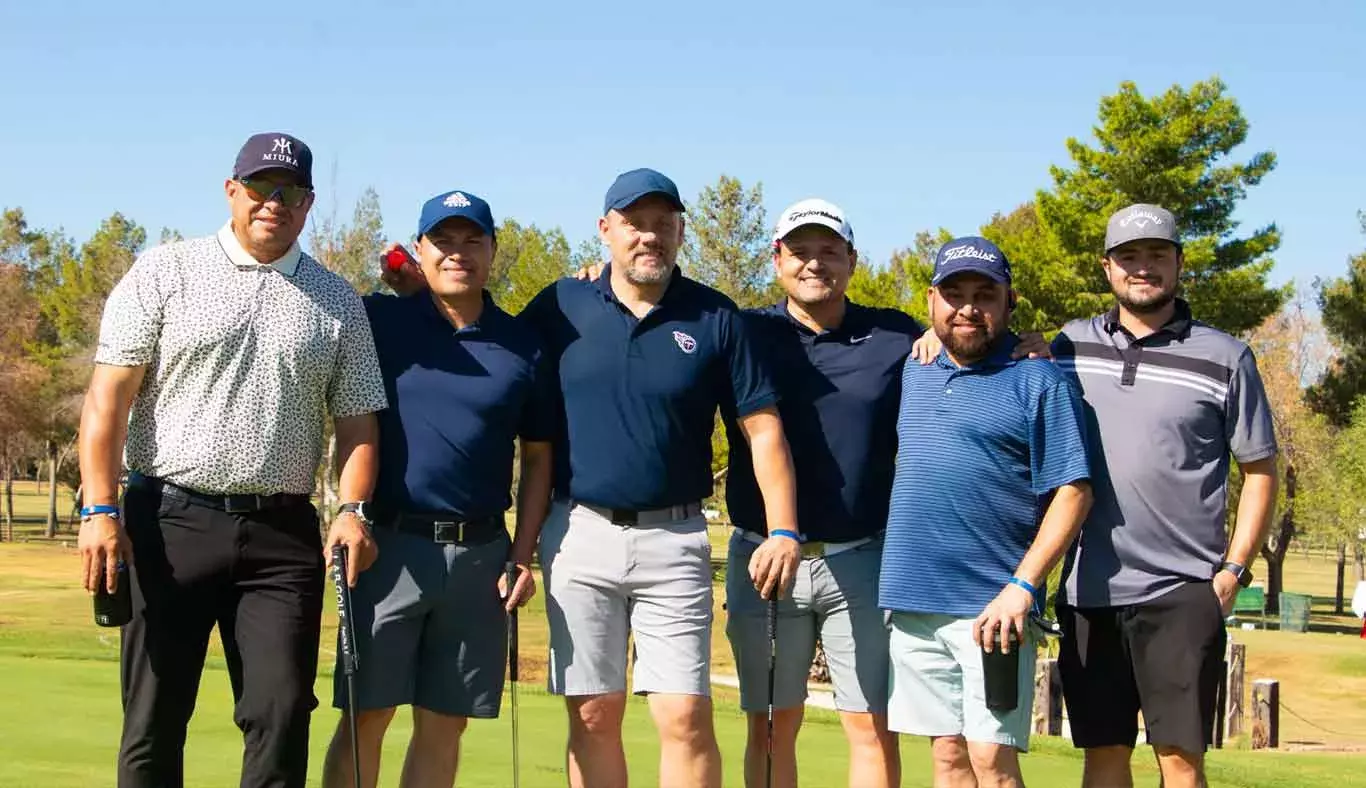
(625, 517)
(441, 531)
(813, 549)
(230, 507)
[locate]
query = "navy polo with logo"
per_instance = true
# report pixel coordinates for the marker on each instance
(639, 397)
(839, 393)
(457, 401)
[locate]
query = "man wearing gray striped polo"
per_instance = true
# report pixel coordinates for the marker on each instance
(1145, 594)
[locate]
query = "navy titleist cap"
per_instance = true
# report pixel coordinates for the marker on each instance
(631, 186)
(274, 150)
(971, 254)
(452, 204)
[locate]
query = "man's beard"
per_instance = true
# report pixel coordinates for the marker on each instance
(1145, 306)
(968, 348)
(643, 275)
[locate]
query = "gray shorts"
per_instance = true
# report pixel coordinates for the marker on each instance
(430, 628)
(605, 581)
(834, 598)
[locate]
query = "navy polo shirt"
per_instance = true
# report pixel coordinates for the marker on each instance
(839, 391)
(457, 401)
(982, 448)
(639, 397)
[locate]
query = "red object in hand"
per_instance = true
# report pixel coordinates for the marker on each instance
(395, 259)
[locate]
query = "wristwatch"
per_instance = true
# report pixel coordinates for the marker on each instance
(1239, 571)
(360, 509)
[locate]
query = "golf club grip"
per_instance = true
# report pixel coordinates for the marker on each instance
(512, 574)
(346, 635)
(771, 622)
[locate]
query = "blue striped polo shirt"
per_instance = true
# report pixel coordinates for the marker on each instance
(981, 450)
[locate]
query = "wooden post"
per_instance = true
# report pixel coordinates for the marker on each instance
(1047, 698)
(1266, 714)
(1237, 663)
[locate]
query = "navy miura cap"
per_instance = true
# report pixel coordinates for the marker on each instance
(274, 151)
(631, 186)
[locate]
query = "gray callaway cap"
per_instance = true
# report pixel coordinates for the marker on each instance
(1140, 222)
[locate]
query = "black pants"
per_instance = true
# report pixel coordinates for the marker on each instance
(259, 577)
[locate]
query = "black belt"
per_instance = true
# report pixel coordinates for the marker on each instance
(232, 503)
(643, 517)
(450, 529)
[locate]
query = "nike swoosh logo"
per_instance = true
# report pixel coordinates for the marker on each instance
(856, 340)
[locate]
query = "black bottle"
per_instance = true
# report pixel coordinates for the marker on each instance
(116, 609)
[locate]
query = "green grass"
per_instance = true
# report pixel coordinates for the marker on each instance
(59, 710)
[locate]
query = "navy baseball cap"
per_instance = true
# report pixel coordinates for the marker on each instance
(456, 203)
(631, 186)
(971, 254)
(274, 150)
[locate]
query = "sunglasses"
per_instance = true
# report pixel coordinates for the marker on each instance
(264, 191)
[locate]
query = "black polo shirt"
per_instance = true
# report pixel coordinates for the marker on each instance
(457, 401)
(839, 392)
(639, 397)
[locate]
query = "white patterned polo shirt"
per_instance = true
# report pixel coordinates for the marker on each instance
(243, 362)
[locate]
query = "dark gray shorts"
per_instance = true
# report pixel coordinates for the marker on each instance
(430, 628)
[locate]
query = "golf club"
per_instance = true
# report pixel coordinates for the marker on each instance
(512, 574)
(347, 646)
(772, 666)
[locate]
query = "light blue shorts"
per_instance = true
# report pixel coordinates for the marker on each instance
(937, 684)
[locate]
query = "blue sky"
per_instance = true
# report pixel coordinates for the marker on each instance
(909, 115)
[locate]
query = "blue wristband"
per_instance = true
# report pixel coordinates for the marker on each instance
(100, 508)
(1033, 592)
(793, 535)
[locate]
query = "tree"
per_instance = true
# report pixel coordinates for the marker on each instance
(1343, 303)
(351, 250)
(528, 259)
(169, 235)
(903, 283)
(20, 376)
(727, 242)
(1051, 288)
(1287, 347)
(72, 289)
(1171, 150)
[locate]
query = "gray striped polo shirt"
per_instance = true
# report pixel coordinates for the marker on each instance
(1166, 412)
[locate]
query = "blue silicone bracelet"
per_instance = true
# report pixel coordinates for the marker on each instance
(793, 535)
(100, 508)
(1033, 592)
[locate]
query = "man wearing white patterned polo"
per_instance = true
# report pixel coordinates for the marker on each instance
(219, 359)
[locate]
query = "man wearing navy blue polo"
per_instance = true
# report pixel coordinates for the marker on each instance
(644, 356)
(991, 487)
(837, 367)
(464, 381)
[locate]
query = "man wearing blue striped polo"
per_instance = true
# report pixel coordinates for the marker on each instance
(991, 487)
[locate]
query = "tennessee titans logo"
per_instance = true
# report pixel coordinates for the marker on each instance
(685, 343)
